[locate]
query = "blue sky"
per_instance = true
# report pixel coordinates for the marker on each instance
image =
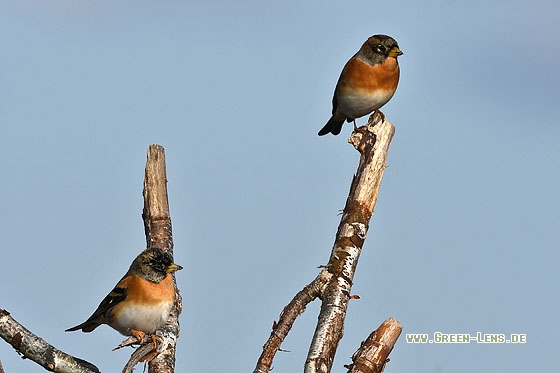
(465, 233)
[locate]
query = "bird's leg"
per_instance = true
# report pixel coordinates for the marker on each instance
(155, 340)
(138, 334)
(380, 114)
(151, 355)
(355, 128)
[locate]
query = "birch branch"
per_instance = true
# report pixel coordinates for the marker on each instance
(334, 282)
(37, 349)
(157, 227)
(372, 356)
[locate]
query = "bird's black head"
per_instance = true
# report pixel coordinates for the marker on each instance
(154, 264)
(383, 45)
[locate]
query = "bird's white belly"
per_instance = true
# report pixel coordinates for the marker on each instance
(358, 105)
(142, 318)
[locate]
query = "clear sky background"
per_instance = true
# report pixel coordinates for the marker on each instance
(465, 236)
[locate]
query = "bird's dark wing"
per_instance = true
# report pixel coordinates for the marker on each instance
(117, 295)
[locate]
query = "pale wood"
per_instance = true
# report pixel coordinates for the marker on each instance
(38, 350)
(372, 141)
(157, 225)
(372, 356)
(158, 231)
(334, 283)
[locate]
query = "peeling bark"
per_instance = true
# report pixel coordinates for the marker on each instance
(37, 349)
(372, 356)
(334, 283)
(157, 225)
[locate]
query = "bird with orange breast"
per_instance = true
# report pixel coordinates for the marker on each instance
(141, 301)
(367, 82)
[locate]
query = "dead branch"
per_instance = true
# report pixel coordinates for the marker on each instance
(37, 349)
(334, 283)
(372, 356)
(287, 318)
(157, 227)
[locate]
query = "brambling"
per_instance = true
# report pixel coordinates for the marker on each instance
(367, 82)
(141, 301)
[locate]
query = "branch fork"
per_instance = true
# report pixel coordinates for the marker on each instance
(334, 283)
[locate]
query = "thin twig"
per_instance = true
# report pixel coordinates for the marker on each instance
(138, 356)
(287, 318)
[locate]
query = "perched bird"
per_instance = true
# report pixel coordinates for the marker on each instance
(141, 302)
(367, 82)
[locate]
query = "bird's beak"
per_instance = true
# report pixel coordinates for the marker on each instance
(394, 52)
(173, 268)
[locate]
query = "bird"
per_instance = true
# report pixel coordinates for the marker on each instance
(141, 301)
(367, 82)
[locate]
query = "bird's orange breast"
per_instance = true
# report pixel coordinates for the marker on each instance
(363, 88)
(359, 75)
(146, 307)
(146, 292)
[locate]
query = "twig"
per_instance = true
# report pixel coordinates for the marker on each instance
(287, 317)
(138, 356)
(37, 349)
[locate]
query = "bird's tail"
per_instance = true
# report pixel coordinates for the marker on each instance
(333, 126)
(86, 327)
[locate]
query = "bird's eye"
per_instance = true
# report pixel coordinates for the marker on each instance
(380, 48)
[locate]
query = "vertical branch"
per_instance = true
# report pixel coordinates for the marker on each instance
(372, 141)
(157, 227)
(334, 282)
(157, 219)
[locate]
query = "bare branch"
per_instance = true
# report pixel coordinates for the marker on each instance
(157, 219)
(372, 356)
(138, 356)
(287, 318)
(334, 283)
(157, 227)
(372, 141)
(37, 349)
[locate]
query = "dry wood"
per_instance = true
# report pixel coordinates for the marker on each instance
(334, 282)
(37, 349)
(157, 227)
(372, 356)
